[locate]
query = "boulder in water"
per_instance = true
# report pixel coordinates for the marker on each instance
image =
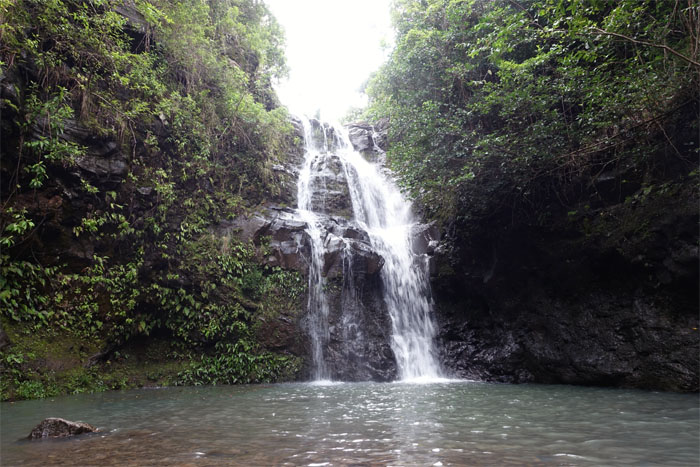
(60, 428)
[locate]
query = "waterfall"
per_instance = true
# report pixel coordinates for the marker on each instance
(317, 303)
(385, 218)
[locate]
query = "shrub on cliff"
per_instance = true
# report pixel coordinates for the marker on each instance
(505, 105)
(129, 128)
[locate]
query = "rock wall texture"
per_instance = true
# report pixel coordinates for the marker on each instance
(359, 329)
(611, 304)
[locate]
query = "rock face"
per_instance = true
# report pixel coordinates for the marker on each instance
(60, 428)
(359, 326)
(332, 195)
(368, 139)
(361, 136)
(606, 304)
(356, 338)
(358, 348)
(550, 306)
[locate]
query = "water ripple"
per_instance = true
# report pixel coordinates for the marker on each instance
(364, 423)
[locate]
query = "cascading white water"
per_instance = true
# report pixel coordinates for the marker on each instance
(381, 210)
(386, 215)
(317, 303)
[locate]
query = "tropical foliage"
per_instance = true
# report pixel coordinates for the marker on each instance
(129, 129)
(507, 104)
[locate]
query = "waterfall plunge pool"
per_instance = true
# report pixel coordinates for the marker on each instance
(450, 423)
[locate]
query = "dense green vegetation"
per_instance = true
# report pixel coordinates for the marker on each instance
(132, 129)
(522, 107)
(557, 144)
(129, 129)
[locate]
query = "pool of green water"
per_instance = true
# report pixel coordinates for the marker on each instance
(446, 423)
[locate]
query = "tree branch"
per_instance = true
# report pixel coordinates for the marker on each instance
(649, 44)
(532, 18)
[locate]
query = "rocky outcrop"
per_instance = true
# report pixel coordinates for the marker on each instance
(551, 304)
(279, 230)
(360, 135)
(103, 166)
(359, 344)
(369, 140)
(101, 157)
(60, 428)
(425, 238)
(137, 27)
(331, 193)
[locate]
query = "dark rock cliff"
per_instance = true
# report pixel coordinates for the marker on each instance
(357, 347)
(606, 298)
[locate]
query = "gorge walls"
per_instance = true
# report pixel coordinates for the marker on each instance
(611, 301)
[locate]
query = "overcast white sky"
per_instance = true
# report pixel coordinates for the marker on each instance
(332, 48)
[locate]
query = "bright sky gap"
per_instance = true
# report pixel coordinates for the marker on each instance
(332, 48)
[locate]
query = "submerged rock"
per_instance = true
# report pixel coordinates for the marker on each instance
(60, 428)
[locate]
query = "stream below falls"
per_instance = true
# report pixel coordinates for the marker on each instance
(447, 423)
